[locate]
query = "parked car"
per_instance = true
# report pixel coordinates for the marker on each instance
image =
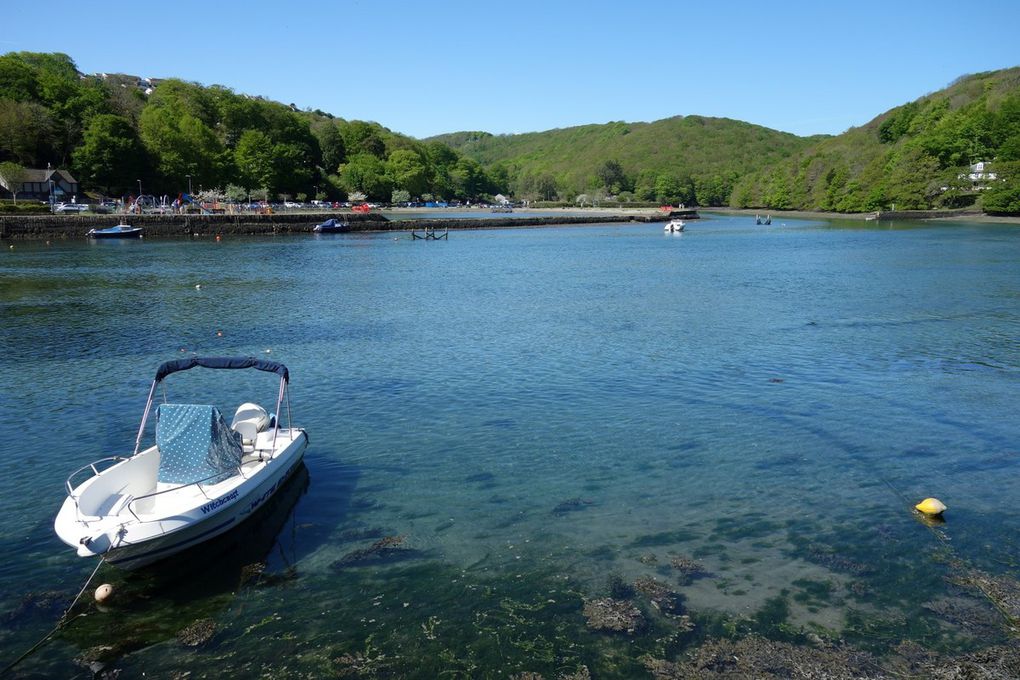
(65, 208)
(292, 204)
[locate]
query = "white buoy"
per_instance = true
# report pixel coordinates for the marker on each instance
(103, 592)
(198, 286)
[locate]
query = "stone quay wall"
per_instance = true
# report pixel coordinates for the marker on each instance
(170, 226)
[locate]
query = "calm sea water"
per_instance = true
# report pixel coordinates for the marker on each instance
(545, 416)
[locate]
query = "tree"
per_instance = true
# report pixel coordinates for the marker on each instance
(1004, 194)
(53, 81)
(714, 190)
(907, 179)
(407, 171)
(26, 132)
(442, 163)
(362, 138)
(499, 178)
(644, 185)
(111, 156)
(365, 174)
(611, 175)
(254, 160)
(12, 176)
(332, 145)
(235, 193)
(17, 79)
(292, 166)
(672, 189)
(545, 187)
(180, 146)
(400, 196)
(468, 178)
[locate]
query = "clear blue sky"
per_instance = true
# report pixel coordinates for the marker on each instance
(427, 68)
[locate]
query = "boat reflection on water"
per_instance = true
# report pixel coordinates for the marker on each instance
(155, 603)
(219, 564)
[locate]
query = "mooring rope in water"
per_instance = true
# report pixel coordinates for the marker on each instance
(60, 624)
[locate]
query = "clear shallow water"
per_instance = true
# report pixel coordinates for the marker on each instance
(540, 413)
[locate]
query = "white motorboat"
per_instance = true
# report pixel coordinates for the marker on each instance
(199, 479)
(674, 226)
(120, 231)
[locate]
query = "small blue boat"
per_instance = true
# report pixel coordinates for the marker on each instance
(332, 226)
(120, 231)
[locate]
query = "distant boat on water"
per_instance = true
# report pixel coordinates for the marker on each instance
(120, 231)
(758, 219)
(332, 226)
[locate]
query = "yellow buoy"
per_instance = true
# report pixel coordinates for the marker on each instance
(931, 507)
(103, 592)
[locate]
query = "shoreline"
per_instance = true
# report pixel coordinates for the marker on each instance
(926, 215)
(43, 227)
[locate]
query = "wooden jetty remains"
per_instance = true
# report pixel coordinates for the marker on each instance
(429, 234)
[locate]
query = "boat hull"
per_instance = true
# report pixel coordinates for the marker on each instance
(114, 232)
(332, 226)
(136, 544)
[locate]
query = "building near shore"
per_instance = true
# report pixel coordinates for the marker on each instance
(42, 184)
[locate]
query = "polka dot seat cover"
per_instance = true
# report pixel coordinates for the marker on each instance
(195, 444)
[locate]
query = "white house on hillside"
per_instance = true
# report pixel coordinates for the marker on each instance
(980, 173)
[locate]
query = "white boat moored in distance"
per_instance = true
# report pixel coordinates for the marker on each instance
(200, 478)
(674, 226)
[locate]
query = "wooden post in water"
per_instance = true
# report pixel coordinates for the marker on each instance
(430, 234)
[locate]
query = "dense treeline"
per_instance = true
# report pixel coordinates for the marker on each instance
(916, 156)
(111, 134)
(692, 159)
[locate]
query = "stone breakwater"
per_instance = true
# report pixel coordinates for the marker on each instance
(175, 226)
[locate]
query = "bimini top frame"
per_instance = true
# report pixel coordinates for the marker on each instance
(170, 367)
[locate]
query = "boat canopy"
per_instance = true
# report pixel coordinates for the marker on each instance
(169, 367)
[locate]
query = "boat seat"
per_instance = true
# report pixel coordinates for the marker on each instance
(249, 420)
(248, 431)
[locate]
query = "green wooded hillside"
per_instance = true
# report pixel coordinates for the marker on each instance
(911, 157)
(691, 159)
(112, 131)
